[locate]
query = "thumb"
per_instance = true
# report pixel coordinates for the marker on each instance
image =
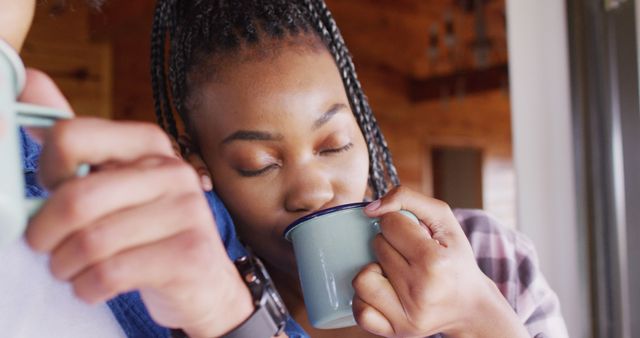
(41, 90)
(433, 213)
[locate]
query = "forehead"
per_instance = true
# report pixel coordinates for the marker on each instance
(290, 83)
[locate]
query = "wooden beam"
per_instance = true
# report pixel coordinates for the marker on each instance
(121, 18)
(462, 83)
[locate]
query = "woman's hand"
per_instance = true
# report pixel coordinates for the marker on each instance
(427, 280)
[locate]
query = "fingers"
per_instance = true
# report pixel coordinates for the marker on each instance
(41, 90)
(406, 239)
(85, 200)
(151, 266)
(409, 278)
(374, 289)
(397, 269)
(370, 319)
(435, 214)
(125, 230)
(389, 257)
(94, 141)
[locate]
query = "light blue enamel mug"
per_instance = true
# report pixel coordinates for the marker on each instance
(15, 210)
(331, 246)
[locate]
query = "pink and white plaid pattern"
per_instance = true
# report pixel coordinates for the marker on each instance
(510, 260)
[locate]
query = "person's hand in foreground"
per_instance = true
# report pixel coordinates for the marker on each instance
(139, 221)
(427, 280)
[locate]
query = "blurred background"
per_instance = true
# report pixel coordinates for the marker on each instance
(527, 109)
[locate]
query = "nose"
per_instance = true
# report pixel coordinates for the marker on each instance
(309, 190)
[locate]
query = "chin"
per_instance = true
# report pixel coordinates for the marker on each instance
(288, 261)
(292, 267)
(282, 259)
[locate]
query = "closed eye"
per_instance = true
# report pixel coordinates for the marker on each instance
(254, 173)
(336, 150)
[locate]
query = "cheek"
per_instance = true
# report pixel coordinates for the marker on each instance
(253, 205)
(354, 175)
(249, 204)
(255, 212)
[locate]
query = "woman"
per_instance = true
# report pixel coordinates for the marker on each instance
(269, 95)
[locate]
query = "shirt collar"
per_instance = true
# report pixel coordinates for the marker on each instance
(30, 152)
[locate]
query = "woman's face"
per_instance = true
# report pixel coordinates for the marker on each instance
(281, 141)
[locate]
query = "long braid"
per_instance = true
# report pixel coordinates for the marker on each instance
(157, 60)
(200, 29)
(177, 68)
(161, 27)
(378, 150)
(364, 102)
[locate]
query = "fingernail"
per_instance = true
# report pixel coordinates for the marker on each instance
(207, 185)
(373, 205)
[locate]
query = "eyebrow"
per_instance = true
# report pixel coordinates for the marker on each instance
(255, 135)
(251, 135)
(336, 108)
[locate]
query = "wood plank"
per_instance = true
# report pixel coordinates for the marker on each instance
(377, 31)
(82, 71)
(121, 17)
(59, 45)
(462, 83)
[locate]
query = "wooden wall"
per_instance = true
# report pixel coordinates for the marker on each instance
(60, 44)
(126, 25)
(478, 121)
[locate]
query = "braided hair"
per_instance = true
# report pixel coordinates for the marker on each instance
(199, 30)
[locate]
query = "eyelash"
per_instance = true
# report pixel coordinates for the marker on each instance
(338, 150)
(254, 173)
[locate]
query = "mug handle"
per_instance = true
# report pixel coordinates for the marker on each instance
(29, 115)
(406, 213)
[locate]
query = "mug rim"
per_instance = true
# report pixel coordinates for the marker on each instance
(13, 58)
(319, 213)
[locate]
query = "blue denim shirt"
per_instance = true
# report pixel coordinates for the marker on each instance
(128, 308)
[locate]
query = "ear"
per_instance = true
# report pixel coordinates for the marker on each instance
(184, 149)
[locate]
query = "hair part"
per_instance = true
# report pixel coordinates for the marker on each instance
(199, 31)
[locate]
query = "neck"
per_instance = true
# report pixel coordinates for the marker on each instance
(288, 286)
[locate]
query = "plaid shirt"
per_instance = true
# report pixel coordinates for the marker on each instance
(510, 260)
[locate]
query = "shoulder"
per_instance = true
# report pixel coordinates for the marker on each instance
(509, 259)
(490, 238)
(225, 225)
(503, 254)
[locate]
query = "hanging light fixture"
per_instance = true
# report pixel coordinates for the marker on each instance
(482, 44)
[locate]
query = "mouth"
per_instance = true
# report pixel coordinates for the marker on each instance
(319, 213)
